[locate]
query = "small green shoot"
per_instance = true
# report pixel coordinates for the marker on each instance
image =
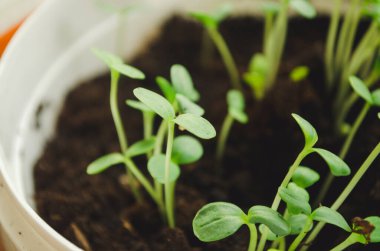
(211, 23)
(161, 167)
(236, 107)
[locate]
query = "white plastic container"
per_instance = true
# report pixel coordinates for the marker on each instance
(47, 57)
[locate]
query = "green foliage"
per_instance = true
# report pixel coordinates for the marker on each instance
(212, 20)
(305, 177)
(236, 106)
(296, 198)
(297, 223)
(270, 218)
(376, 97)
(156, 102)
(311, 136)
(188, 106)
(361, 89)
(217, 220)
(257, 74)
(115, 63)
(186, 150)
(156, 168)
(166, 88)
(138, 105)
(101, 164)
(141, 147)
(375, 235)
(299, 73)
(183, 83)
(196, 125)
(330, 216)
(337, 166)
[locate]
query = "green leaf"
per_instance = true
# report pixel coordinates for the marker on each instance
(375, 235)
(305, 177)
(205, 19)
(299, 73)
(196, 125)
(155, 102)
(217, 220)
(166, 88)
(108, 58)
(304, 7)
(141, 147)
(236, 106)
(188, 106)
(104, 162)
(270, 218)
(297, 222)
(296, 198)
(259, 64)
(128, 71)
(311, 136)
(337, 166)
(361, 89)
(222, 12)
(182, 82)
(116, 63)
(138, 105)
(330, 216)
(257, 82)
(186, 150)
(271, 236)
(376, 97)
(156, 168)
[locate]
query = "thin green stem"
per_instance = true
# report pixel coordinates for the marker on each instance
(120, 129)
(227, 57)
(343, 152)
(168, 185)
(297, 241)
(269, 16)
(330, 43)
(157, 150)
(148, 118)
(346, 192)
(223, 136)
(284, 183)
(346, 243)
(142, 179)
(253, 237)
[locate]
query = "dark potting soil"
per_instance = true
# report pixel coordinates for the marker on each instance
(98, 212)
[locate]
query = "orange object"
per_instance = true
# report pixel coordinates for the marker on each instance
(6, 37)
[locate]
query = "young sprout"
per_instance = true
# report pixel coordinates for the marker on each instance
(161, 167)
(336, 165)
(364, 231)
(346, 192)
(371, 99)
(117, 67)
(236, 106)
(211, 23)
(299, 73)
(342, 59)
(263, 69)
(218, 220)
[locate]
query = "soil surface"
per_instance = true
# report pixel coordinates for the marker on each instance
(99, 213)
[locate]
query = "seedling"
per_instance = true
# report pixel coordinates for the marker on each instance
(161, 167)
(236, 106)
(117, 67)
(263, 68)
(218, 220)
(343, 60)
(211, 23)
(337, 166)
(371, 99)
